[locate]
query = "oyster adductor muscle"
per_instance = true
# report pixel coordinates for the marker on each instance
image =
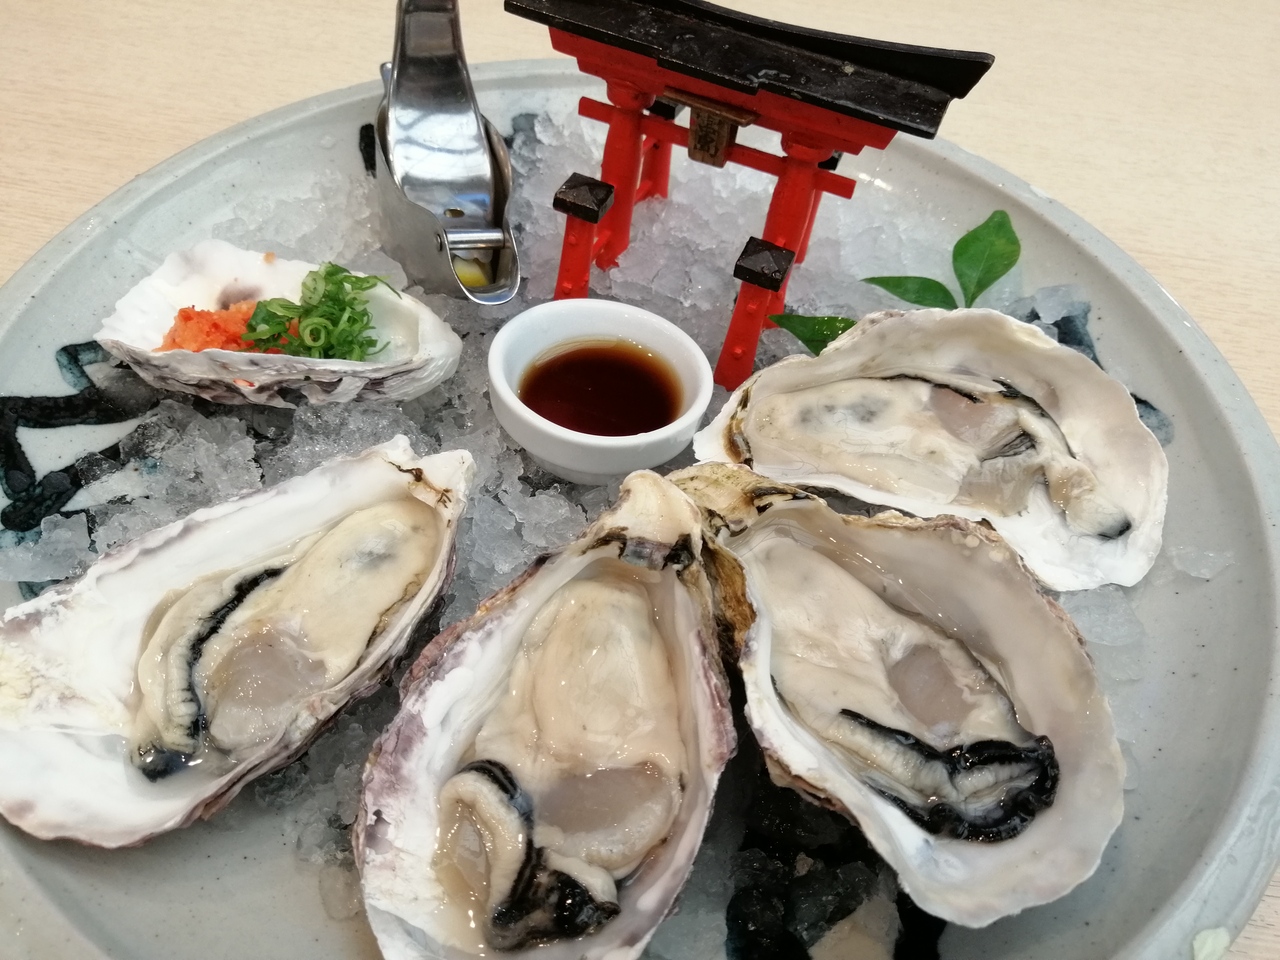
(183, 664)
(910, 674)
(970, 413)
(547, 780)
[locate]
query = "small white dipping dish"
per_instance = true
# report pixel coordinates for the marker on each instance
(553, 327)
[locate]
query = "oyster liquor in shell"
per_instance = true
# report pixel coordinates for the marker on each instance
(545, 785)
(187, 662)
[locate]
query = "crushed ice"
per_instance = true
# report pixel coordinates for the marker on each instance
(1104, 616)
(1116, 637)
(1201, 564)
(62, 549)
(1121, 651)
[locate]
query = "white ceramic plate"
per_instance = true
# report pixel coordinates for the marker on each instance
(1199, 840)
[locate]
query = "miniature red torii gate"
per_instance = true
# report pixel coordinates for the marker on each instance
(806, 142)
(648, 78)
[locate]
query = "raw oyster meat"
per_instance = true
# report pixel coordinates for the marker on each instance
(970, 413)
(546, 783)
(910, 674)
(422, 350)
(183, 664)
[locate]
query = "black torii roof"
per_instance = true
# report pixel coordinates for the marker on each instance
(896, 85)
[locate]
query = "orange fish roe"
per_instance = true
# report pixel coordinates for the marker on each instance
(210, 329)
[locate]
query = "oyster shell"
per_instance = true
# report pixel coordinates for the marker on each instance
(422, 350)
(547, 780)
(183, 664)
(970, 413)
(910, 674)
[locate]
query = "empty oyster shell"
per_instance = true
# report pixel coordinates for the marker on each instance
(910, 674)
(971, 413)
(546, 783)
(183, 664)
(421, 350)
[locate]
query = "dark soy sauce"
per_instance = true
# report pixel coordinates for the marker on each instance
(607, 388)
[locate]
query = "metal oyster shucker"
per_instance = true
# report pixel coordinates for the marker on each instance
(443, 171)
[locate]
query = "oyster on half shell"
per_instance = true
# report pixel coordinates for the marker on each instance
(546, 783)
(421, 349)
(187, 662)
(970, 413)
(910, 674)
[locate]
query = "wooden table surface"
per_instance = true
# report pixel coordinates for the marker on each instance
(1155, 121)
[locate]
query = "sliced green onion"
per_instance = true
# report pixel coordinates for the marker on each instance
(331, 322)
(313, 332)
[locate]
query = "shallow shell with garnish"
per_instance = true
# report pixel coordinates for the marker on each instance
(420, 349)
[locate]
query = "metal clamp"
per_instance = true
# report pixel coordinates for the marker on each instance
(443, 171)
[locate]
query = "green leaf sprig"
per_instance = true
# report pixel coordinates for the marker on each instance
(979, 258)
(330, 322)
(814, 332)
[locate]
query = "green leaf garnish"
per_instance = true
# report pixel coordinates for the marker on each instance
(331, 321)
(979, 258)
(918, 290)
(814, 332)
(984, 255)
